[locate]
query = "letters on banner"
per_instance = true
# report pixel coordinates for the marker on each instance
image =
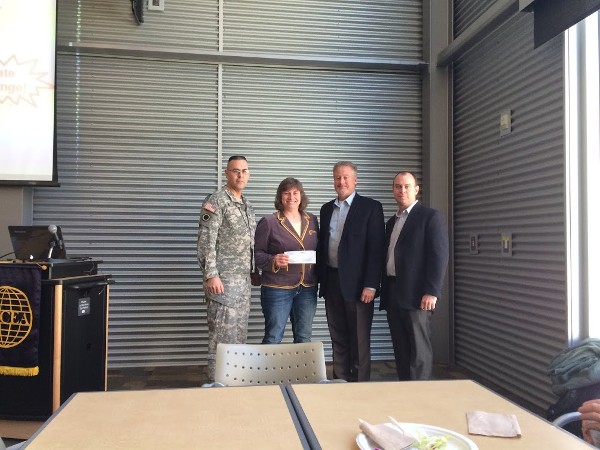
(20, 296)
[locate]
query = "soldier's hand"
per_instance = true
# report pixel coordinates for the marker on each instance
(214, 285)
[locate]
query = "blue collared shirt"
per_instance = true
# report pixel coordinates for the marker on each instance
(336, 227)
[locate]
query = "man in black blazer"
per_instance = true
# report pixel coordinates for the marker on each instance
(351, 249)
(417, 256)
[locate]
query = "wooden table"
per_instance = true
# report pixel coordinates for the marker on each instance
(332, 411)
(256, 417)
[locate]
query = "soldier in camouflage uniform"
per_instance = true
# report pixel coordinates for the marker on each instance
(225, 253)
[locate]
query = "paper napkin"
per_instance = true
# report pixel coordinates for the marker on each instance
(386, 437)
(493, 424)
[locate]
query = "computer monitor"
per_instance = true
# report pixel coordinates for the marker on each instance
(37, 242)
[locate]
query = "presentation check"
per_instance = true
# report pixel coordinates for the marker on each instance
(302, 257)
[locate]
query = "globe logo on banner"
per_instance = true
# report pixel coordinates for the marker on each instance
(16, 316)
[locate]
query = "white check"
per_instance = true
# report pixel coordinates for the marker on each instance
(302, 257)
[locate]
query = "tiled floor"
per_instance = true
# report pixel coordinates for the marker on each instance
(194, 376)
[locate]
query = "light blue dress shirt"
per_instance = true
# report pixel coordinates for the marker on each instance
(336, 227)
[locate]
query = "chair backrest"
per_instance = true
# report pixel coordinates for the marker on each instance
(260, 364)
(561, 421)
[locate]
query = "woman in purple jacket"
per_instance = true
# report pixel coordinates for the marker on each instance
(289, 281)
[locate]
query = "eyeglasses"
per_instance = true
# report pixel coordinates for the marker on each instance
(238, 172)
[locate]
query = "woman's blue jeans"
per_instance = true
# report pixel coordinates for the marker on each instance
(299, 304)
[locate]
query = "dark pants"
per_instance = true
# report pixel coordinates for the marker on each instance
(350, 330)
(411, 337)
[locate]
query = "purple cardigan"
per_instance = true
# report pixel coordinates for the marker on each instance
(275, 234)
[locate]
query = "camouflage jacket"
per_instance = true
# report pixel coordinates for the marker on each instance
(226, 235)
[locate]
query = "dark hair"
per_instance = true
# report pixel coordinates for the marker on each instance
(339, 164)
(236, 157)
(287, 184)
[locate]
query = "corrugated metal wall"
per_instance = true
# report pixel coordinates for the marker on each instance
(510, 311)
(184, 25)
(372, 28)
(138, 135)
(136, 151)
(298, 123)
(465, 12)
(335, 28)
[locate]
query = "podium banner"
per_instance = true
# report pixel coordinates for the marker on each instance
(20, 295)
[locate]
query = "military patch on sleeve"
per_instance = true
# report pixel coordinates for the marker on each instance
(210, 207)
(205, 217)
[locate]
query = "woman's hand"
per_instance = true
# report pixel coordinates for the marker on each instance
(281, 260)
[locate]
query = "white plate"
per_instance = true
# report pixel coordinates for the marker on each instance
(456, 441)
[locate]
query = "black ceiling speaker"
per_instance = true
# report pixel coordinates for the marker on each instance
(137, 6)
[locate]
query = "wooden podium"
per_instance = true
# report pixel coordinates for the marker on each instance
(73, 340)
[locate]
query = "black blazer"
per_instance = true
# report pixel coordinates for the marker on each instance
(421, 256)
(361, 248)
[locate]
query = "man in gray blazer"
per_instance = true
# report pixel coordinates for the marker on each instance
(415, 265)
(349, 264)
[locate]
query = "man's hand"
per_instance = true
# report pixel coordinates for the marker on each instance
(590, 418)
(367, 296)
(428, 302)
(214, 285)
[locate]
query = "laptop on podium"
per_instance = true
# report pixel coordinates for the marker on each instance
(37, 242)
